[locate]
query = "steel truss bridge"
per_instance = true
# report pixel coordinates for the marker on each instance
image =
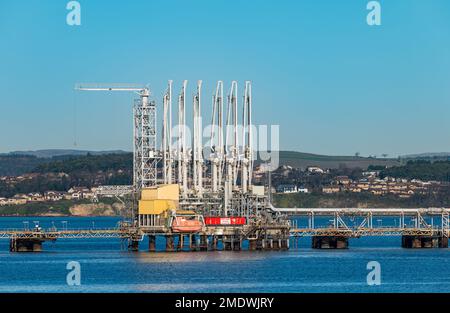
(341, 227)
(363, 221)
(53, 234)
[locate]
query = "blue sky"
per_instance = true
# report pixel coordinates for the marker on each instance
(334, 84)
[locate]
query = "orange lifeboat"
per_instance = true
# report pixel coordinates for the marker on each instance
(187, 223)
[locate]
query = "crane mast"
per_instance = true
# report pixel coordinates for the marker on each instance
(217, 149)
(197, 146)
(145, 157)
(232, 139)
(247, 161)
(167, 136)
(182, 149)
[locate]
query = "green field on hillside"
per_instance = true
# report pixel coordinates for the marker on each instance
(303, 160)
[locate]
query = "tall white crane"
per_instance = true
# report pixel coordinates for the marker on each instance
(145, 156)
(182, 148)
(231, 145)
(167, 135)
(231, 140)
(216, 140)
(247, 160)
(197, 170)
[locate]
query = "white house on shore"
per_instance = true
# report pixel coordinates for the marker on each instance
(77, 193)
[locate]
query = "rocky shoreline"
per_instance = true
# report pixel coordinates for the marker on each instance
(72, 210)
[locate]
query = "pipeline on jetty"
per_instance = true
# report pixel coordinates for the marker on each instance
(416, 227)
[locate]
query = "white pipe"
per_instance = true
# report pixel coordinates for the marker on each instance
(231, 154)
(184, 148)
(216, 140)
(167, 135)
(197, 149)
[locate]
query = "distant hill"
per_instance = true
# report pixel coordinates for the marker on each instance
(20, 162)
(50, 153)
(420, 169)
(89, 170)
(14, 165)
(88, 164)
(303, 160)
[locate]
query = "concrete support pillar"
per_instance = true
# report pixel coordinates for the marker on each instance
(444, 242)
(37, 246)
(259, 244)
(25, 245)
(341, 243)
(12, 245)
(193, 243)
(284, 244)
(180, 244)
(203, 243)
(268, 244)
(252, 243)
(237, 244)
(329, 242)
(151, 243)
(427, 242)
(133, 245)
(227, 245)
(418, 242)
(213, 243)
(169, 243)
(276, 244)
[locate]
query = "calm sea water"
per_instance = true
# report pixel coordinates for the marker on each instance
(106, 267)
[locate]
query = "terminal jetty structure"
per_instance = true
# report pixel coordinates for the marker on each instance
(200, 197)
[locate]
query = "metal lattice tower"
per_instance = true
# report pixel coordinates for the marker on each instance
(145, 154)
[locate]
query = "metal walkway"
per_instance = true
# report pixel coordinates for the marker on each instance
(421, 221)
(53, 234)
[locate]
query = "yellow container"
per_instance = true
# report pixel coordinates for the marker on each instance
(167, 192)
(155, 206)
(149, 194)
